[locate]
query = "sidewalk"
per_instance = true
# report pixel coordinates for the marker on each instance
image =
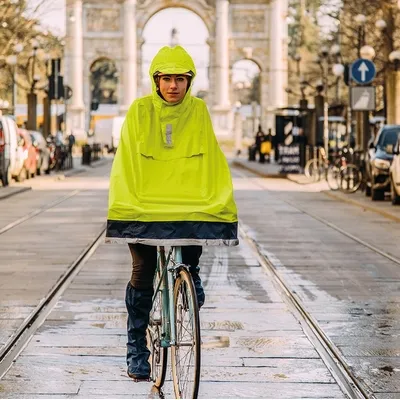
(20, 187)
(266, 170)
(9, 191)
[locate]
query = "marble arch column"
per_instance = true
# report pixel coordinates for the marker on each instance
(278, 54)
(129, 80)
(76, 109)
(221, 112)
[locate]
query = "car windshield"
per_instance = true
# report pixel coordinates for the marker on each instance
(388, 136)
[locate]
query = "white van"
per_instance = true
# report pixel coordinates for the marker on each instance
(108, 131)
(11, 153)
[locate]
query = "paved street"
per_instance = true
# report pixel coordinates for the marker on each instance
(255, 344)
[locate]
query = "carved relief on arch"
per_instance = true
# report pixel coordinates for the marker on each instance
(146, 9)
(102, 19)
(248, 21)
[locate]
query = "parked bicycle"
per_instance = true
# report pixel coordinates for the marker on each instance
(174, 323)
(321, 167)
(353, 176)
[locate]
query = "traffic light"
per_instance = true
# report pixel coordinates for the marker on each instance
(94, 105)
(346, 74)
(56, 91)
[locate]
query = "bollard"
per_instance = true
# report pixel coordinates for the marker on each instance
(86, 154)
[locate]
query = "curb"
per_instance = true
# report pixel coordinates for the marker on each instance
(255, 171)
(79, 170)
(327, 193)
(362, 205)
(17, 190)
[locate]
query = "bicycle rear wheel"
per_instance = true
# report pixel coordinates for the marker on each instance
(158, 354)
(186, 353)
(350, 178)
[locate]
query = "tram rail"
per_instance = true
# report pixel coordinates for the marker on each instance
(21, 337)
(38, 211)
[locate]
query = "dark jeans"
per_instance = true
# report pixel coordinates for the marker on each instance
(144, 263)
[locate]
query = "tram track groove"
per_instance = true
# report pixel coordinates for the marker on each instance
(323, 345)
(328, 351)
(20, 339)
(38, 211)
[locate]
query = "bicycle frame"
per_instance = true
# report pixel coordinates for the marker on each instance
(167, 280)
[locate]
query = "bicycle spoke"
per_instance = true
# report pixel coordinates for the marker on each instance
(186, 353)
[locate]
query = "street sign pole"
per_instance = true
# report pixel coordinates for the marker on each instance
(326, 126)
(363, 72)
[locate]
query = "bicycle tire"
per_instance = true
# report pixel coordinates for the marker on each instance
(186, 383)
(158, 354)
(332, 177)
(350, 178)
(312, 170)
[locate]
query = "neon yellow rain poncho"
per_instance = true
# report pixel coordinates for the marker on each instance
(170, 182)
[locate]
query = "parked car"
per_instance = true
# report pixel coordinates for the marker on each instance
(42, 152)
(11, 152)
(395, 174)
(378, 160)
(30, 161)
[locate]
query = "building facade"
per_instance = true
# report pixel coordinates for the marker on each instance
(238, 29)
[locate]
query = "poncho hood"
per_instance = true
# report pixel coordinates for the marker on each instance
(171, 60)
(170, 182)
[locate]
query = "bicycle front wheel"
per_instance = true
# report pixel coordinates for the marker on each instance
(158, 354)
(350, 178)
(186, 353)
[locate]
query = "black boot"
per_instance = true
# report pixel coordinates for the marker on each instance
(194, 271)
(138, 304)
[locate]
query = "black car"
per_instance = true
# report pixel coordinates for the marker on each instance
(378, 160)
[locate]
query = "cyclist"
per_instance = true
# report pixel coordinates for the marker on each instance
(170, 185)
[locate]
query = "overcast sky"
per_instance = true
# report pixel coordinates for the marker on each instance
(192, 34)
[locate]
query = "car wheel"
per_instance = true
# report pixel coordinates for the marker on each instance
(39, 167)
(22, 175)
(376, 195)
(393, 194)
(6, 179)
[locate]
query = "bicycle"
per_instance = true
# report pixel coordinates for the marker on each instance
(321, 166)
(354, 177)
(174, 323)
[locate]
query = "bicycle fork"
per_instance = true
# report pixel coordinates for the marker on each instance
(169, 329)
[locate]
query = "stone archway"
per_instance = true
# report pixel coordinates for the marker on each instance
(103, 81)
(252, 29)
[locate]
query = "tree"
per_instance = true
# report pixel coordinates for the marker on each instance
(381, 30)
(19, 25)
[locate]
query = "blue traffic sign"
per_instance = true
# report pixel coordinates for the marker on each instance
(363, 71)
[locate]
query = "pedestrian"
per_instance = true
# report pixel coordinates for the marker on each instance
(259, 138)
(71, 142)
(169, 182)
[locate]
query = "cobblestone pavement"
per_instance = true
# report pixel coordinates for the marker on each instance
(253, 345)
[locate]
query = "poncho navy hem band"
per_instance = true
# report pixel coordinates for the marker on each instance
(215, 233)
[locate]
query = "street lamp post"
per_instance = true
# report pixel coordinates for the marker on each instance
(238, 128)
(12, 61)
(32, 97)
(394, 103)
(367, 52)
(323, 61)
